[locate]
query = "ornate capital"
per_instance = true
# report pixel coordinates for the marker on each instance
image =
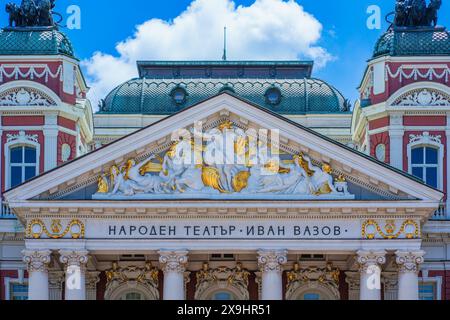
(272, 260)
(409, 261)
(37, 260)
(173, 261)
(367, 259)
(92, 278)
(74, 258)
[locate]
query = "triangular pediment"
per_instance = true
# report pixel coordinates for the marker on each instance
(311, 168)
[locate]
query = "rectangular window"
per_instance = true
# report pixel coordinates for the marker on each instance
(23, 165)
(427, 291)
(19, 291)
(425, 165)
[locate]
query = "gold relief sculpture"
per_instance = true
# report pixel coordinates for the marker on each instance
(151, 167)
(102, 185)
(260, 174)
(390, 226)
(239, 275)
(341, 178)
(36, 228)
(227, 125)
(56, 226)
(211, 178)
(205, 274)
(390, 230)
(240, 181)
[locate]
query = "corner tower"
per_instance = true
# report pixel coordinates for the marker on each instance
(45, 117)
(403, 116)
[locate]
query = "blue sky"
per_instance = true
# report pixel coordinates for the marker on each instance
(346, 40)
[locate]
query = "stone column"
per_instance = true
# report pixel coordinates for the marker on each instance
(370, 263)
(408, 274)
(173, 264)
(353, 279)
(390, 281)
(37, 262)
(92, 278)
(396, 134)
(50, 142)
(56, 280)
(271, 266)
(75, 263)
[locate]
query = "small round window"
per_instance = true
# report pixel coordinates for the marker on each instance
(273, 96)
(179, 95)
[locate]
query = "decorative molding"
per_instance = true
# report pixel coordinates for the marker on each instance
(234, 280)
(31, 72)
(272, 260)
(36, 228)
(325, 280)
(21, 137)
(409, 261)
(25, 97)
(122, 279)
(415, 73)
(173, 261)
(37, 260)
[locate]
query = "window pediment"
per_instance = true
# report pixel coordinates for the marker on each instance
(423, 97)
(24, 96)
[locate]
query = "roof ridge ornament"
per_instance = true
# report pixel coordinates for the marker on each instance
(36, 14)
(415, 14)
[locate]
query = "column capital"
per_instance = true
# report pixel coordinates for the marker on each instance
(272, 260)
(408, 261)
(173, 261)
(74, 258)
(366, 259)
(37, 260)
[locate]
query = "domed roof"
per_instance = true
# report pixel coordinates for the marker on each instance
(413, 42)
(165, 97)
(34, 42)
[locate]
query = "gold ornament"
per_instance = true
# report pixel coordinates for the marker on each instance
(56, 226)
(227, 125)
(36, 228)
(102, 185)
(390, 229)
(211, 178)
(240, 181)
(151, 167)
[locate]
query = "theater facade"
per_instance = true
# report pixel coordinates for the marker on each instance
(225, 180)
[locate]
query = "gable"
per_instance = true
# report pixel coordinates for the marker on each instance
(340, 173)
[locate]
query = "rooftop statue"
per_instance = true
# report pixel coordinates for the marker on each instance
(31, 13)
(416, 13)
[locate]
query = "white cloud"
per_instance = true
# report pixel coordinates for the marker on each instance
(267, 29)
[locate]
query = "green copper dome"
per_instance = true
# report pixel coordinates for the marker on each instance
(413, 42)
(168, 96)
(34, 42)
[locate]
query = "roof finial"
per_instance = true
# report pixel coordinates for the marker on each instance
(224, 57)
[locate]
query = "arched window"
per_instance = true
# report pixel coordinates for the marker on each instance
(426, 159)
(223, 296)
(22, 164)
